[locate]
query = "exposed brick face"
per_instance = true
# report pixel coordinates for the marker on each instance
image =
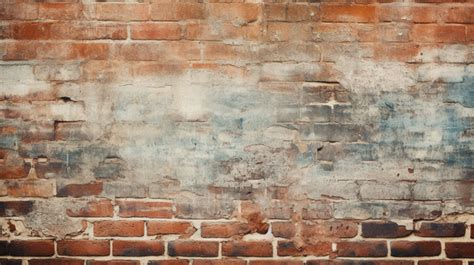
(415, 249)
(137, 248)
(83, 247)
(362, 249)
(193, 248)
(236, 132)
(119, 228)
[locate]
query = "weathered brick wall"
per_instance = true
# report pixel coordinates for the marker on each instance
(157, 132)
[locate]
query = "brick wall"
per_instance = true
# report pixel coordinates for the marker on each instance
(180, 132)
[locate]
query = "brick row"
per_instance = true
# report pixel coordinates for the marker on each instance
(247, 12)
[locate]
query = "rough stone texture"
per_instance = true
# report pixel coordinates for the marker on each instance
(236, 132)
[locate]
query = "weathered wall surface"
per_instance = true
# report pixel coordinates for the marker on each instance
(321, 132)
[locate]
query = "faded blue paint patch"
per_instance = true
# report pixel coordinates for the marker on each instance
(421, 128)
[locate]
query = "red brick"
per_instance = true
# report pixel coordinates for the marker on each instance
(13, 166)
(193, 248)
(170, 262)
(113, 262)
(32, 188)
(338, 229)
(470, 33)
(283, 229)
(359, 262)
(4, 248)
(247, 248)
(15, 208)
(90, 51)
(33, 248)
(12, 262)
(275, 262)
(81, 190)
(290, 248)
(362, 249)
(83, 247)
(137, 248)
(241, 13)
(56, 261)
(219, 262)
(145, 209)
(169, 228)
(384, 230)
(439, 33)
(348, 13)
(177, 11)
(439, 262)
(458, 14)
(155, 31)
(223, 229)
(460, 250)
(415, 249)
(99, 208)
(122, 11)
(32, 30)
(119, 228)
(254, 216)
(441, 230)
(67, 31)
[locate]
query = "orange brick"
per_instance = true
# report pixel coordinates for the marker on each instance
(167, 51)
(418, 14)
(13, 166)
(458, 14)
(32, 188)
(208, 31)
(119, 228)
(66, 31)
(439, 33)
(122, 11)
(155, 31)
(348, 13)
(279, 31)
(21, 11)
(216, 51)
(403, 52)
(237, 12)
(177, 11)
(60, 11)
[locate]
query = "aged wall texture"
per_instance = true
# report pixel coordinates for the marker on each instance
(328, 132)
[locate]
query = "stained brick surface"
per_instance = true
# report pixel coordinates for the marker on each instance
(328, 132)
